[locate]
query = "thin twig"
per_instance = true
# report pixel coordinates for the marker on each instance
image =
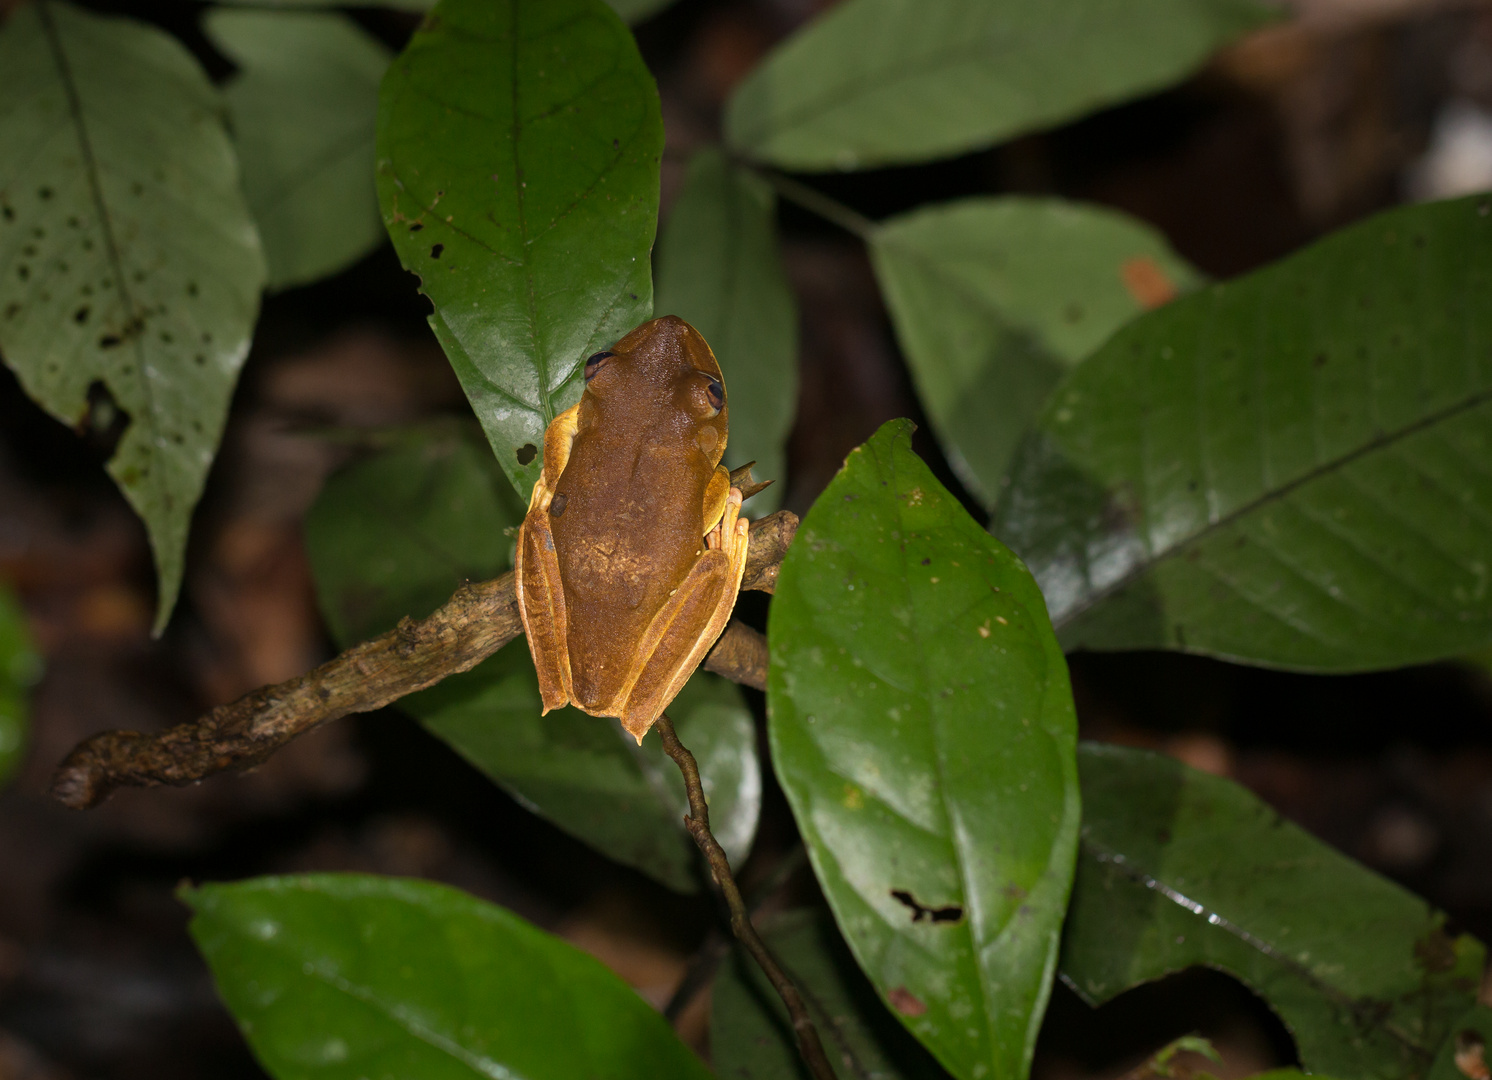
(698, 824)
(714, 948)
(478, 620)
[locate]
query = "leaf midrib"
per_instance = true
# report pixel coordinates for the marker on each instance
(105, 218)
(1364, 1013)
(1381, 442)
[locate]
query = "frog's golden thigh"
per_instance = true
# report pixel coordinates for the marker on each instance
(631, 554)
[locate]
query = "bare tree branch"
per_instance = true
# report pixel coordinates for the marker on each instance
(478, 620)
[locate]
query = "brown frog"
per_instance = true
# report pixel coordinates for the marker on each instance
(631, 554)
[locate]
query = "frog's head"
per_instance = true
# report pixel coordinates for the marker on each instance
(664, 368)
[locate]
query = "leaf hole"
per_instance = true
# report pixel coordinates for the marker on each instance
(947, 913)
(436, 250)
(81, 315)
(105, 422)
(416, 227)
(527, 452)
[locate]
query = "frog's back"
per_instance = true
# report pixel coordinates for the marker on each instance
(646, 448)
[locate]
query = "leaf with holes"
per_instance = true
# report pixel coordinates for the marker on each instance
(1464, 1055)
(518, 151)
(340, 976)
(20, 667)
(751, 1036)
(394, 535)
(719, 269)
(130, 271)
(995, 299)
(1179, 868)
(303, 104)
(922, 727)
(882, 82)
(1288, 469)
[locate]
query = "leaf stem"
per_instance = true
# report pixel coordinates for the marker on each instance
(814, 201)
(698, 824)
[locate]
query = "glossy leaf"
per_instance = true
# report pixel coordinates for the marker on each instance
(395, 535)
(995, 299)
(1180, 868)
(922, 727)
(518, 151)
(881, 82)
(346, 976)
(20, 667)
(719, 269)
(303, 106)
(1288, 469)
(130, 271)
(751, 1037)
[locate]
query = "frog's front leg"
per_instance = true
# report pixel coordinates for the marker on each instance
(687, 626)
(536, 573)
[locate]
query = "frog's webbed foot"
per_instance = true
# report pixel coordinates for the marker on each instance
(703, 600)
(536, 577)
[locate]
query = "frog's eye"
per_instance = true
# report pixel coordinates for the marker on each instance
(596, 363)
(716, 393)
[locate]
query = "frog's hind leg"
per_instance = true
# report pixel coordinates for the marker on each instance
(669, 652)
(536, 574)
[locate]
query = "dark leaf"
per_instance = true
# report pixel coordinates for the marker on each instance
(1179, 868)
(1288, 469)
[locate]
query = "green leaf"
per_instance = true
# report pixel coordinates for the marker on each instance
(882, 82)
(636, 11)
(394, 535)
(129, 266)
(590, 777)
(1466, 1047)
(1179, 868)
(995, 299)
(518, 151)
(347, 976)
(751, 1037)
(1288, 469)
(20, 667)
(922, 727)
(719, 269)
(303, 106)
(633, 11)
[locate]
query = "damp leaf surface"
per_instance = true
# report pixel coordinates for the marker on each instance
(341, 976)
(922, 728)
(518, 152)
